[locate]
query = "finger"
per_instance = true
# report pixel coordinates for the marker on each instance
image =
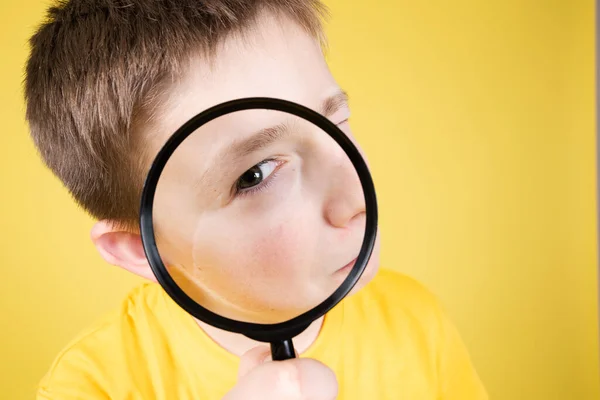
(253, 358)
(296, 379)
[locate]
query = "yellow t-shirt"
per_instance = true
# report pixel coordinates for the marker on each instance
(391, 340)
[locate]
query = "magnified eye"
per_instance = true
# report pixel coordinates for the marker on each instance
(256, 175)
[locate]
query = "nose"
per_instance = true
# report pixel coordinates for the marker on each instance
(345, 200)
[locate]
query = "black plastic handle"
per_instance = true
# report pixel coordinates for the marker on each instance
(283, 350)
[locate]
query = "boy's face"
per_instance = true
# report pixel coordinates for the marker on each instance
(273, 248)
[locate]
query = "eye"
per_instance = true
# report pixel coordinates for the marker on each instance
(256, 175)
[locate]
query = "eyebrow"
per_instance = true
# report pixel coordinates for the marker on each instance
(266, 136)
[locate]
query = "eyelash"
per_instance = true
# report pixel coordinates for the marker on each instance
(264, 185)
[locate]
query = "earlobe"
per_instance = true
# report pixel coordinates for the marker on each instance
(121, 248)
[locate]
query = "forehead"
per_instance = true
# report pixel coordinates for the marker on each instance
(275, 58)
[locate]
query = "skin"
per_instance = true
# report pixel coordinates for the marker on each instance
(274, 250)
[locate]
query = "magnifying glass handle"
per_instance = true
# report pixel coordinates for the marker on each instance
(283, 350)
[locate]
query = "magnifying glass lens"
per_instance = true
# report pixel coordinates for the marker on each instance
(259, 216)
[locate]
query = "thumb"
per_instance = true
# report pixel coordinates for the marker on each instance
(252, 359)
(295, 379)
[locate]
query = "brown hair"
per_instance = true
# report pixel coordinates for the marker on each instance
(97, 64)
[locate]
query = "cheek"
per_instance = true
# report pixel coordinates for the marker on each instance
(278, 251)
(263, 252)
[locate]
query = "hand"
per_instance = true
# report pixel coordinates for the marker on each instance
(297, 379)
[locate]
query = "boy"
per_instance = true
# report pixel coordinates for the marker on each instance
(108, 81)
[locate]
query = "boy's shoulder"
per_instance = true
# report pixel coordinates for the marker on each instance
(389, 280)
(100, 351)
(405, 317)
(390, 288)
(398, 305)
(139, 302)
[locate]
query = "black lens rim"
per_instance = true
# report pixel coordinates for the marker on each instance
(265, 332)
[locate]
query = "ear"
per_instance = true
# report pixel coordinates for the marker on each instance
(121, 248)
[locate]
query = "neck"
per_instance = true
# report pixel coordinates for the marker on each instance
(239, 344)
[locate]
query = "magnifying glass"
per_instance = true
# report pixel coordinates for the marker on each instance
(227, 211)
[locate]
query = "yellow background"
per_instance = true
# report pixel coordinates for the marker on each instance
(478, 118)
